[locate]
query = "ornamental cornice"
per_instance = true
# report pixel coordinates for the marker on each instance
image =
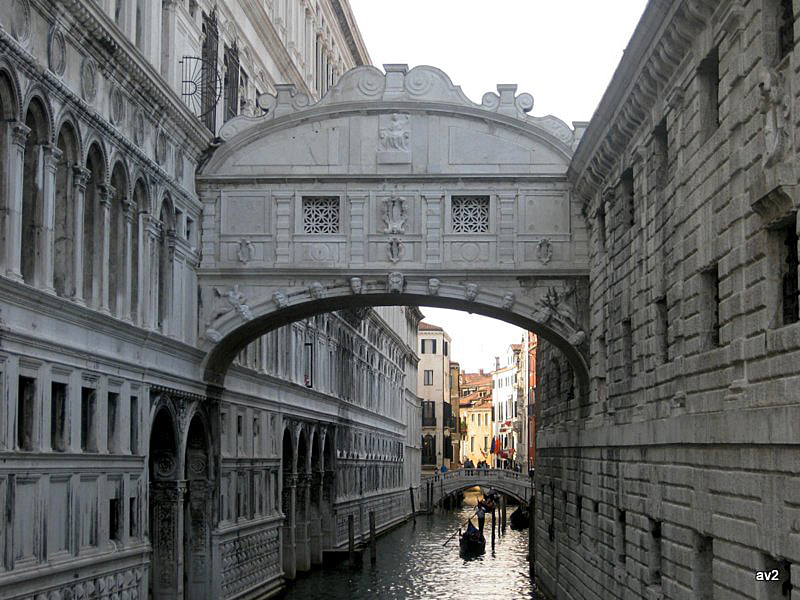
(660, 43)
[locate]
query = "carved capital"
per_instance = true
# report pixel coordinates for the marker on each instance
(19, 133)
(80, 175)
(105, 195)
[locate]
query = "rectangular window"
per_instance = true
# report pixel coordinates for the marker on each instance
(626, 198)
(133, 518)
(785, 28)
(445, 349)
(789, 272)
(231, 82)
(190, 230)
(88, 411)
(26, 409)
(662, 329)
(308, 364)
(703, 575)
(134, 425)
(709, 306)
(428, 346)
(485, 443)
(470, 214)
(428, 377)
(58, 416)
(620, 537)
(708, 80)
(113, 412)
(472, 444)
(627, 347)
(114, 519)
(655, 552)
(321, 214)
(661, 153)
(601, 228)
(780, 585)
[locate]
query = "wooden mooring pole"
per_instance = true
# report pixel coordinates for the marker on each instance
(503, 514)
(373, 547)
(351, 540)
(413, 510)
(493, 526)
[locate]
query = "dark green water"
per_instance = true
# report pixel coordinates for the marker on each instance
(413, 564)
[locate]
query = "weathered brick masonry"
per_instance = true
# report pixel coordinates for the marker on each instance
(679, 476)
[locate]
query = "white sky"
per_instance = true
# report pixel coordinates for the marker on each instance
(562, 52)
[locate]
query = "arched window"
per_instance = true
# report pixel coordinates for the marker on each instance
(7, 113)
(167, 222)
(95, 163)
(428, 450)
(33, 193)
(116, 241)
(64, 222)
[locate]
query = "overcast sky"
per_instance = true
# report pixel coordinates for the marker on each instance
(562, 52)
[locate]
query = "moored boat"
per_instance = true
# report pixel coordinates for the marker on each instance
(472, 542)
(519, 518)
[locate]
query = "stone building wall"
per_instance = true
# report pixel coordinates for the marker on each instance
(679, 477)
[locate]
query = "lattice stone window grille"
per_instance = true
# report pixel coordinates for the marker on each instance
(470, 214)
(321, 214)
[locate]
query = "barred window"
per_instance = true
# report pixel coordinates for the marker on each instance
(470, 214)
(320, 214)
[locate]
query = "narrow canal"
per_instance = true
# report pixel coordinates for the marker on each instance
(413, 564)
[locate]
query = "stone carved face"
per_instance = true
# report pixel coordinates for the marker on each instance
(433, 286)
(395, 282)
(471, 291)
(356, 284)
(508, 300)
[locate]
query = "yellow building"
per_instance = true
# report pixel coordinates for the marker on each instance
(477, 414)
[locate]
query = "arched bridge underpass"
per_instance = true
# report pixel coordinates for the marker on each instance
(517, 485)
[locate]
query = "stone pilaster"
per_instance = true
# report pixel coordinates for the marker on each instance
(358, 226)
(283, 226)
(129, 214)
(288, 529)
(167, 522)
(46, 241)
(505, 228)
(302, 541)
(18, 135)
(169, 62)
(315, 521)
(80, 175)
(103, 229)
(433, 227)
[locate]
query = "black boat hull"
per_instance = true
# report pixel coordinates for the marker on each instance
(519, 519)
(472, 546)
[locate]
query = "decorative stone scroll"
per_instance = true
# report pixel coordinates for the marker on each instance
(395, 215)
(544, 251)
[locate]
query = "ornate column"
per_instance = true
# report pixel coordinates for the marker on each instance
(169, 64)
(128, 215)
(302, 542)
(18, 135)
(166, 506)
(80, 176)
(103, 229)
(288, 531)
(46, 242)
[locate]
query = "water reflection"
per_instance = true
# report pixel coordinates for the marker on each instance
(412, 563)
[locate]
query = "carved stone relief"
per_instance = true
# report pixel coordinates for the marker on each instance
(244, 254)
(471, 291)
(356, 285)
(775, 108)
(508, 300)
(544, 251)
(89, 79)
(138, 128)
(395, 137)
(117, 104)
(280, 299)
(394, 249)
(395, 215)
(316, 290)
(161, 148)
(433, 286)
(395, 282)
(235, 300)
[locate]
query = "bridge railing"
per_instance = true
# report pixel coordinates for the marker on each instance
(482, 474)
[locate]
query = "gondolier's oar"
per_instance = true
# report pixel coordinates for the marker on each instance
(459, 529)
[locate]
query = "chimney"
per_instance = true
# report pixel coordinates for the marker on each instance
(481, 371)
(496, 363)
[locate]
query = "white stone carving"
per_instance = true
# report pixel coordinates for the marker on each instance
(394, 249)
(235, 300)
(213, 335)
(320, 252)
(316, 290)
(470, 214)
(280, 299)
(471, 291)
(321, 214)
(433, 286)
(544, 251)
(775, 108)
(244, 254)
(395, 282)
(577, 338)
(356, 285)
(396, 135)
(509, 300)
(56, 51)
(395, 215)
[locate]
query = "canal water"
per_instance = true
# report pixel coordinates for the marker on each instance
(413, 564)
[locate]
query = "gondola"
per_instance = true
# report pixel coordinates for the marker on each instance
(519, 518)
(472, 542)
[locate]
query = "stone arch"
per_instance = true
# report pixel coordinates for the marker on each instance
(500, 487)
(36, 103)
(38, 153)
(231, 332)
(117, 242)
(92, 222)
(10, 111)
(166, 501)
(68, 208)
